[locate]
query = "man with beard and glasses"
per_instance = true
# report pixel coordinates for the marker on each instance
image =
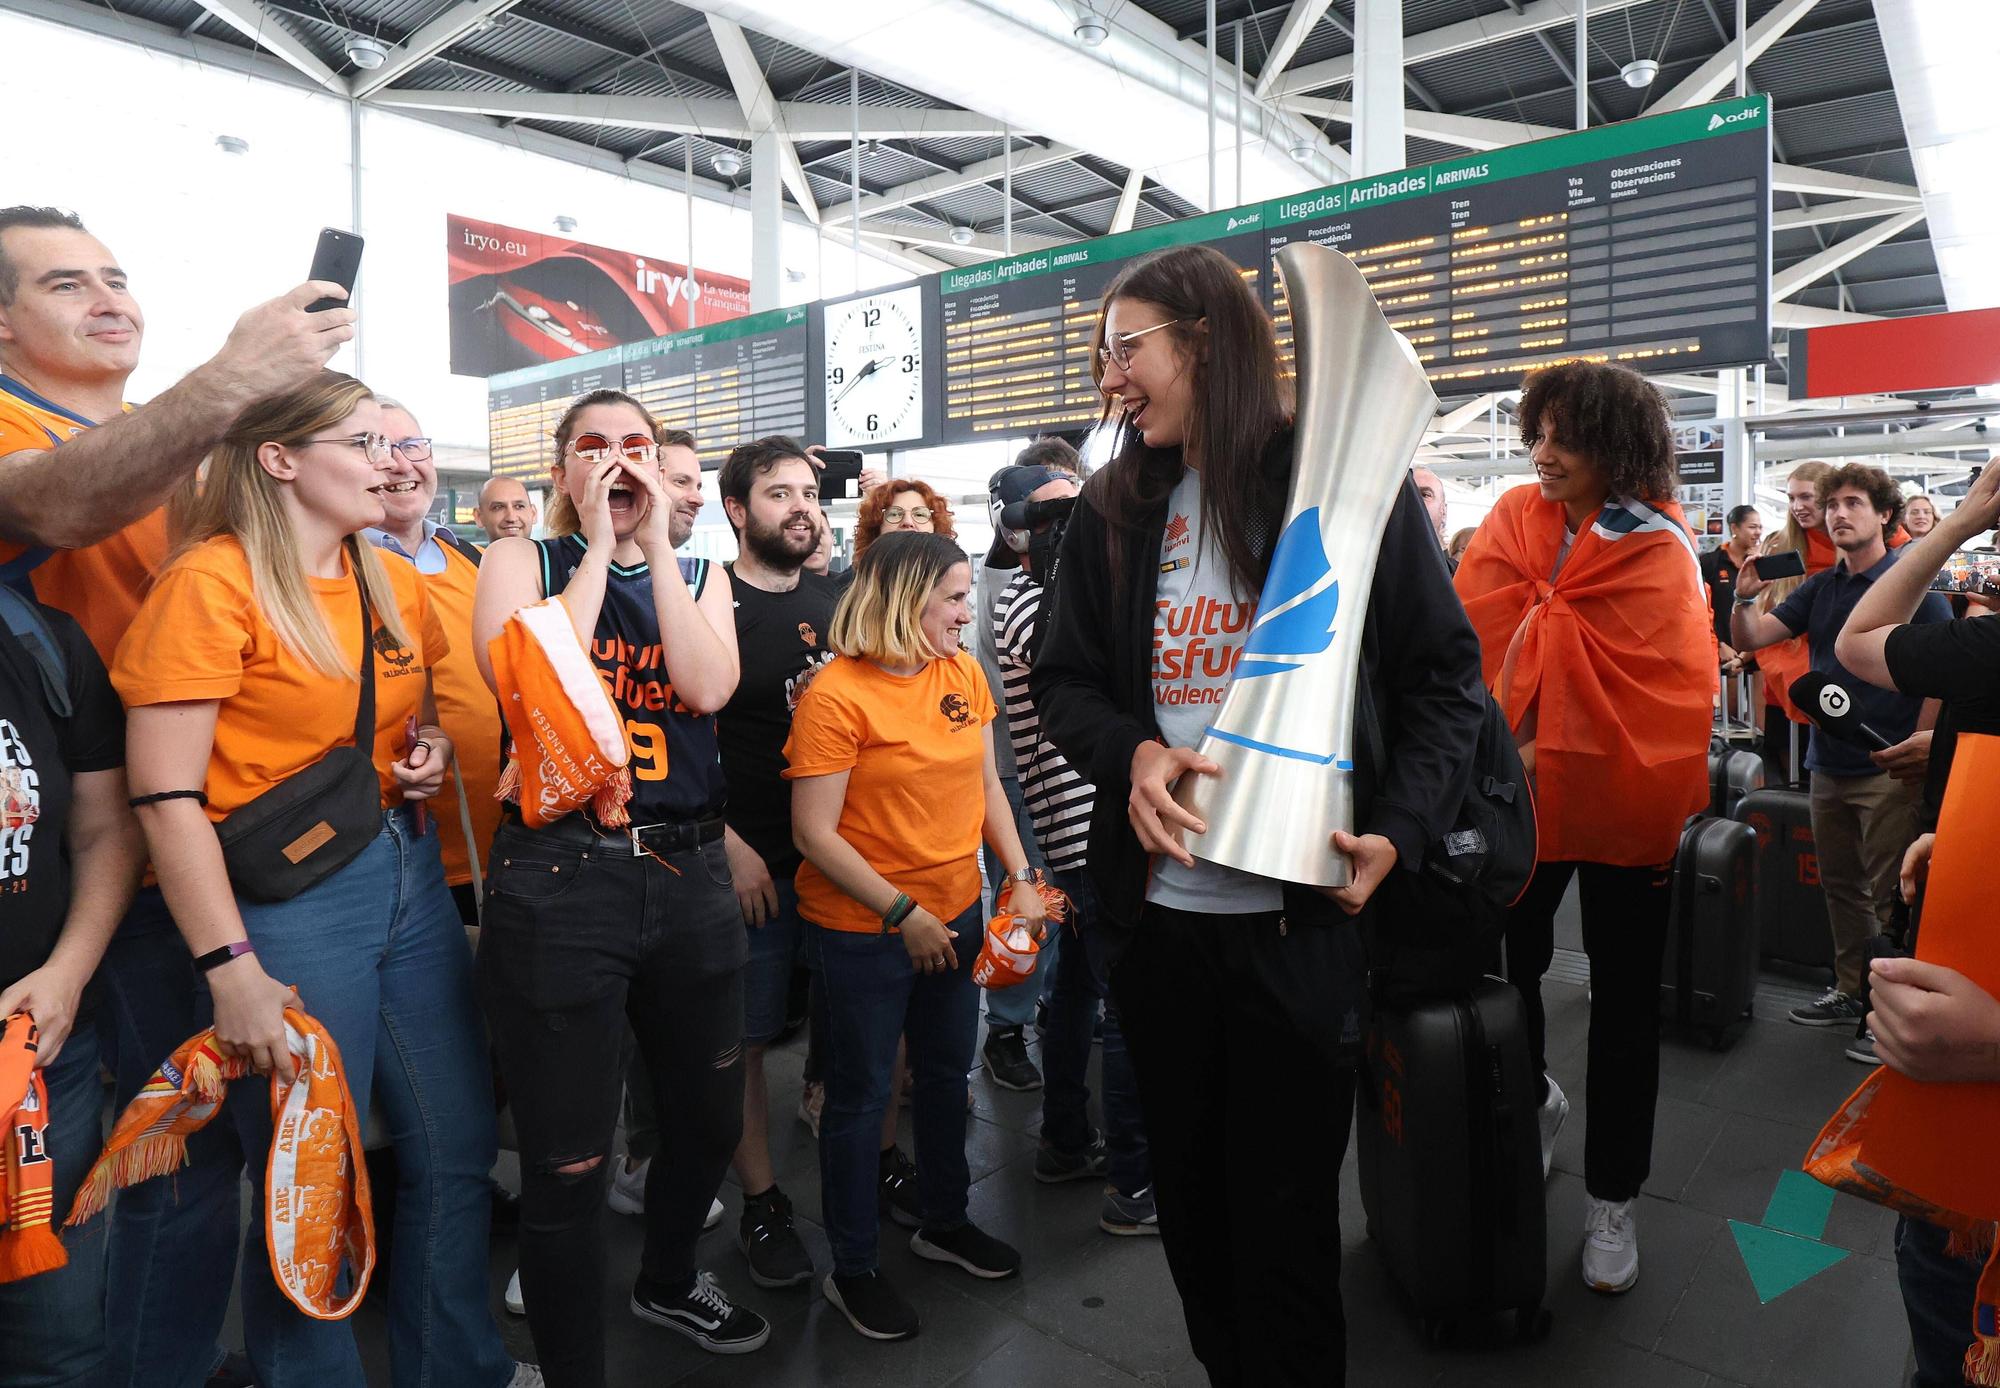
(770, 492)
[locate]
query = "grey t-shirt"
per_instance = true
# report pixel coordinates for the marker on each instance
(1199, 626)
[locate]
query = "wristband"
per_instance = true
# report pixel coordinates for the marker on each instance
(216, 958)
(898, 912)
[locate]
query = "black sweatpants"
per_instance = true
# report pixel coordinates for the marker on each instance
(1625, 913)
(1247, 1113)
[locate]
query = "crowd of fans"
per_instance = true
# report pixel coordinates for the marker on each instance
(253, 770)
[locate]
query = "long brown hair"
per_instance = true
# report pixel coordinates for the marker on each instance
(868, 520)
(1791, 537)
(1240, 397)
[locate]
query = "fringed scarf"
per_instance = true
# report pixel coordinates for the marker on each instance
(569, 742)
(1930, 1151)
(28, 1243)
(318, 1219)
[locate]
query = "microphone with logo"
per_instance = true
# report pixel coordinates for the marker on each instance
(1831, 708)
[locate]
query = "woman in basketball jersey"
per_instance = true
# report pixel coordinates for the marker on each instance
(590, 931)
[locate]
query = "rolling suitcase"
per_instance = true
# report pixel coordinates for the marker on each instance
(1791, 909)
(1710, 971)
(1450, 1158)
(1735, 768)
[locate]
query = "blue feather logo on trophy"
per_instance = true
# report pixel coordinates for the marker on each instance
(1301, 596)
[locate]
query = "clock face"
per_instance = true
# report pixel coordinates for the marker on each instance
(875, 369)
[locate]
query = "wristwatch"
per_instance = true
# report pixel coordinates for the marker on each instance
(1026, 874)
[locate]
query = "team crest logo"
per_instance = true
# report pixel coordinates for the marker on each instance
(387, 648)
(956, 708)
(1301, 595)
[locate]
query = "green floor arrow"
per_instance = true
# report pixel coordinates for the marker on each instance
(1785, 1250)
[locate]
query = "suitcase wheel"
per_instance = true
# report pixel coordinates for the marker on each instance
(1531, 1325)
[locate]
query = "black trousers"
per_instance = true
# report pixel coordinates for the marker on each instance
(1625, 912)
(1247, 1109)
(578, 947)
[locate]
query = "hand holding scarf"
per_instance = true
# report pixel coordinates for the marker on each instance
(28, 1244)
(569, 740)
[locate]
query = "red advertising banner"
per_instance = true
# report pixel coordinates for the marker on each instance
(519, 298)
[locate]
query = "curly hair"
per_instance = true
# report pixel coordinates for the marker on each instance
(1881, 490)
(868, 521)
(1613, 417)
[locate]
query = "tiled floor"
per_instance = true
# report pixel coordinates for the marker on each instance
(1095, 1310)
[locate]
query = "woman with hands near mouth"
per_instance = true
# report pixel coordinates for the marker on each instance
(893, 787)
(592, 931)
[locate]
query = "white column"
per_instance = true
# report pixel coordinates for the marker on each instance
(1583, 64)
(767, 220)
(1739, 467)
(1378, 87)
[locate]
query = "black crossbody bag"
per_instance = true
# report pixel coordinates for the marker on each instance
(312, 824)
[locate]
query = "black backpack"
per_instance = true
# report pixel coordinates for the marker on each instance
(23, 619)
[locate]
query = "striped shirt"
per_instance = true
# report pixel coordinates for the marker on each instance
(1058, 799)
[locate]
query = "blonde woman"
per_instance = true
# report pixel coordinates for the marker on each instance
(242, 671)
(1805, 534)
(893, 788)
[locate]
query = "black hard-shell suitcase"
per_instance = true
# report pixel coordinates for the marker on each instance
(1450, 1158)
(1709, 974)
(1732, 774)
(1791, 907)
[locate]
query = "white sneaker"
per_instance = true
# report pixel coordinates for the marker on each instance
(627, 1195)
(527, 1376)
(515, 1305)
(1610, 1246)
(714, 1215)
(1554, 1109)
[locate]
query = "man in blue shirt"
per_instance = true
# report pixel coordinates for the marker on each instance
(1863, 817)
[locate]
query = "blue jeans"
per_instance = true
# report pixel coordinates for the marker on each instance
(1015, 1007)
(775, 948)
(172, 1235)
(1074, 995)
(873, 997)
(1938, 1295)
(52, 1325)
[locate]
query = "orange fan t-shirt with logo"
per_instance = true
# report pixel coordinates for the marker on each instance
(100, 585)
(916, 786)
(201, 635)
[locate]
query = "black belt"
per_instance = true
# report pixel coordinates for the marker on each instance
(576, 831)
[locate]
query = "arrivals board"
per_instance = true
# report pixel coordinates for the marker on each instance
(725, 384)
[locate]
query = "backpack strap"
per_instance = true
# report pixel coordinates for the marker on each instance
(27, 625)
(471, 551)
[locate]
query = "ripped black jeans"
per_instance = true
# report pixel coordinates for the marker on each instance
(582, 941)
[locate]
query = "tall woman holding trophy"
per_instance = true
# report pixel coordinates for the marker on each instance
(1242, 994)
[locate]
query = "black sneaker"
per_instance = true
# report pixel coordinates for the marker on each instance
(1052, 1165)
(982, 1255)
(765, 1233)
(703, 1314)
(1006, 1056)
(1833, 1008)
(871, 1305)
(1862, 1048)
(898, 1184)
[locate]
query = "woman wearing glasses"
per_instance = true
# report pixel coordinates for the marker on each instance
(901, 504)
(241, 671)
(1241, 996)
(593, 932)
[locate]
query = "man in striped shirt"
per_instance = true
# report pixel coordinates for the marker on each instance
(1032, 503)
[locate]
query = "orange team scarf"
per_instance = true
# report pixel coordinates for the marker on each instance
(318, 1216)
(1931, 1151)
(1614, 658)
(569, 741)
(28, 1244)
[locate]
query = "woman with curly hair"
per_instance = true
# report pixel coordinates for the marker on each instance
(902, 503)
(1595, 635)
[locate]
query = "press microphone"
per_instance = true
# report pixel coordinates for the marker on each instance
(1831, 709)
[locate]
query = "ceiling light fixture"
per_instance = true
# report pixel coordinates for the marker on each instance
(1301, 151)
(565, 224)
(485, 24)
(961, 236)
(1090, 30)
(1640, 72)
(232, 144)
(366, 53)
(728, 163)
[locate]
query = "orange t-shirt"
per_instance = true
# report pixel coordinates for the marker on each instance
(469, 714)
(201, 635)
(916, 788)
(100, 585)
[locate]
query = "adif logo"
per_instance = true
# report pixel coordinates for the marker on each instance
(1301, 596)
(1833, 701)
(1718, 120)
(1250, 221)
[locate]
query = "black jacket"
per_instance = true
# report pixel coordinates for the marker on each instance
(1093, 688)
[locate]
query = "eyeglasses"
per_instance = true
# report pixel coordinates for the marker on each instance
(1117, 348)
(895, 514)
(415, 450)
(595, 448)
(373, 446)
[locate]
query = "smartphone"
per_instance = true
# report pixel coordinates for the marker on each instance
(337, 257)
(1969, 571)
(1786, 563)
(840, 469)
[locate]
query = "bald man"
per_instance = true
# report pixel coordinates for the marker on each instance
(505, 509)
(1431, 488)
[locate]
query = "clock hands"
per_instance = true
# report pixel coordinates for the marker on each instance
(863, 374)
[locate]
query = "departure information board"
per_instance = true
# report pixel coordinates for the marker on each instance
(725, 384)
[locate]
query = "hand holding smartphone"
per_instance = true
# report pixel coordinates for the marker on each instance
(1785, 563)
(337, 258)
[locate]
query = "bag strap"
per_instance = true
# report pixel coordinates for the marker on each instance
(364, 713)
(27, 625)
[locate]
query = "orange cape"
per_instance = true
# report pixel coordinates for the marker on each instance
(1930, 1150)
(1615, 659)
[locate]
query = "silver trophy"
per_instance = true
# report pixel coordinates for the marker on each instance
(1285, 735)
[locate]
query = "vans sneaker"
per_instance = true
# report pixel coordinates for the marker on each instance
(1610, 1246)
(704, 1314)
